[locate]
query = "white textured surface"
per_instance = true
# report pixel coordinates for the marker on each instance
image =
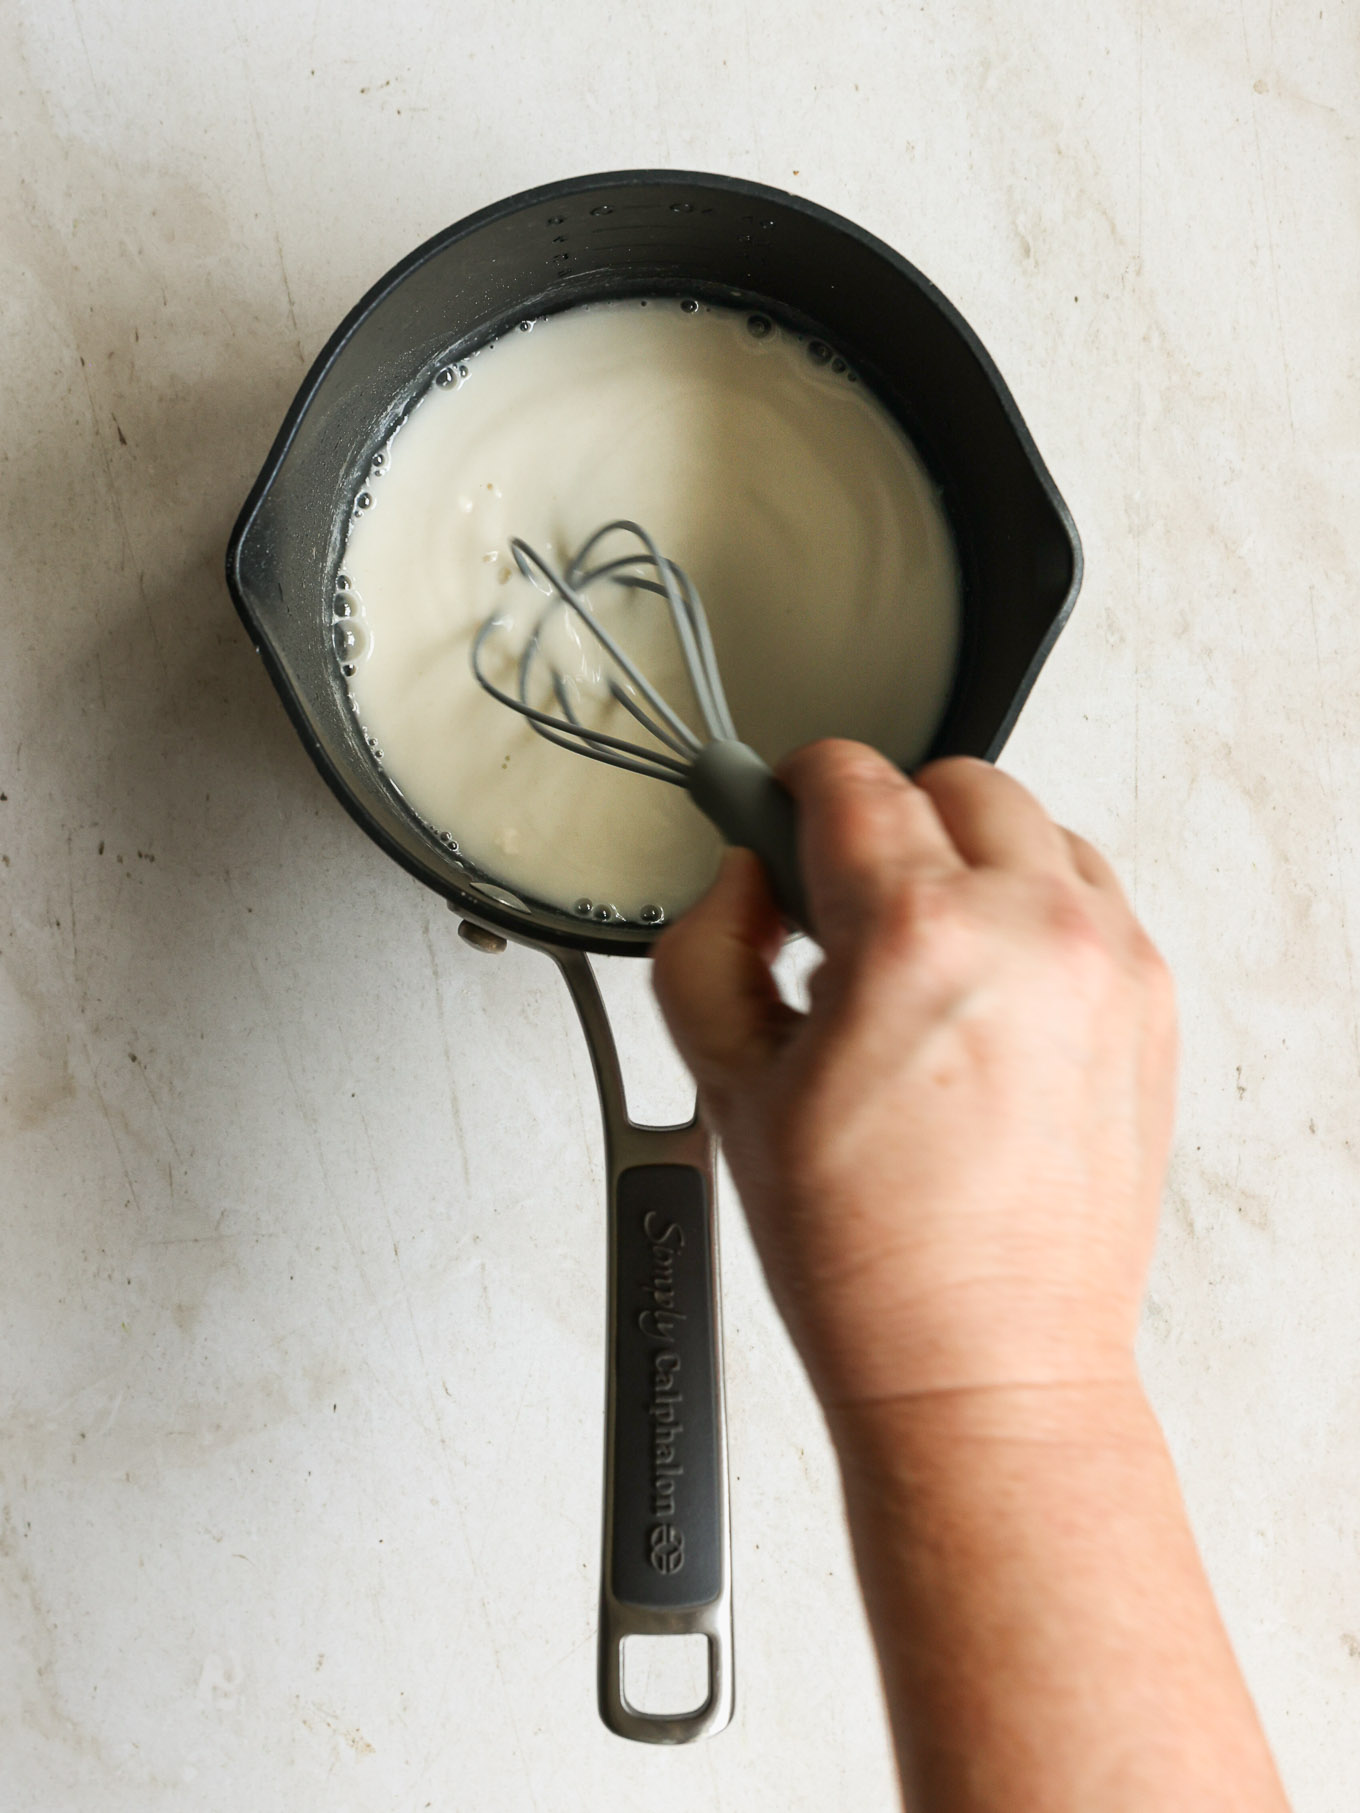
(300, 1244)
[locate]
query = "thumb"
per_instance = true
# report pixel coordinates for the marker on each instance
(711, 972)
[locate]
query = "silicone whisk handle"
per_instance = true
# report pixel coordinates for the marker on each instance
(739, 792)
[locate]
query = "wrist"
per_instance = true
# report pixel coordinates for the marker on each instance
(961, 1431)
(889, 1341)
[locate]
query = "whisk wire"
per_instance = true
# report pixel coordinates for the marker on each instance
(620, 697)
(618, 752)
(638, 696)
(696, 644)
(525, 557)
(687, 612)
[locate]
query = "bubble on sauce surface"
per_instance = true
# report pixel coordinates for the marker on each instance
(351, 638)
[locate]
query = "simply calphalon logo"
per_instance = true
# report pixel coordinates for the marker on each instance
(667, 1548)
(661, 1322)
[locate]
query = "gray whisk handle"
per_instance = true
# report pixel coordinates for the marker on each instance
(732, 786)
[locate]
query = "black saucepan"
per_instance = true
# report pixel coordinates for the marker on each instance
(642, 233)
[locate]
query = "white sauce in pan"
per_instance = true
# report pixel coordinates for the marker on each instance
(785, 490)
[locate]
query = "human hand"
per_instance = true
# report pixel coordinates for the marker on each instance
(952, 1163)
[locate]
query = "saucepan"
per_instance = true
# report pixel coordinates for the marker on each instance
(666, 1547)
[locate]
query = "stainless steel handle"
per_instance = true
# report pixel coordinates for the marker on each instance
(666, 1567)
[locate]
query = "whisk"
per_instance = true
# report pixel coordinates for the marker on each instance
(724, 777)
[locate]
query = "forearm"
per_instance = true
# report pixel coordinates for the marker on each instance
(952, 1165)
(1047, 1637)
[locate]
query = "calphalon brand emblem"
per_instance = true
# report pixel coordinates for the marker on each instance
(660, 1322)
(668, 1549)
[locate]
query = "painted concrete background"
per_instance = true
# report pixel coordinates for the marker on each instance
(300, 1230)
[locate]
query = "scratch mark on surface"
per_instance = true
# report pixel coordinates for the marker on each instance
(71, 907)
(508, 1446)
(89, 65)
(212, 1239)
(165, 1125)
(108, 1118)
(1277, 309)
(752, 111)
(433, 1428)
(1334, 827)
(266, 1001)
(126, 534)
(446, 1457)
(268, 188)
(454, 1107)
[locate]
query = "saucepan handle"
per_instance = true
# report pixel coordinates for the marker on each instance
(666, 1567)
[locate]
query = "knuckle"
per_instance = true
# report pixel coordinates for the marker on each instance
(919, 920)
(1069, 917)
(861, 844)
(1072, 938)
(859, 823)
(829, 765)
(1084, 848)
(1152, 970)
(850, 761)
